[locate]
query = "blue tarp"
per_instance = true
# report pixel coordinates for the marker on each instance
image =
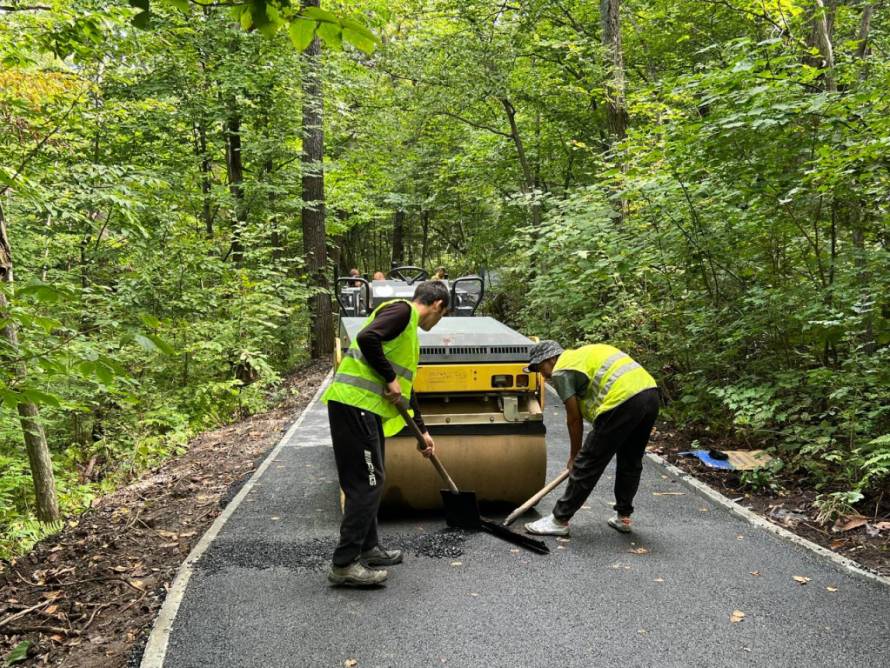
(708, 460)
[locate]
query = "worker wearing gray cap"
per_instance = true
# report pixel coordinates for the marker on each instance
(619, 398)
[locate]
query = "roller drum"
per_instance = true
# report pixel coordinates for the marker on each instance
(502, 468)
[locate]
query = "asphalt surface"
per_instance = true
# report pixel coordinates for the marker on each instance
(259, 597)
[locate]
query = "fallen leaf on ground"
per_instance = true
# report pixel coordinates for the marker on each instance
(801, 579)
(831, 588)
(849, 522)
(882, 526)
(350, 663)
(736, 616)
(756, 574)
(838, 543)
(668, 493)
(638, 550)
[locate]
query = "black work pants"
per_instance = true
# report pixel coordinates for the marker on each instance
(622, 432)
(358, 449)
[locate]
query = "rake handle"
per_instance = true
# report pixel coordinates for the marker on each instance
(421, 445)
(549, 487)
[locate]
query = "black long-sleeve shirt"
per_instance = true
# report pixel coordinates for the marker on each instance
(389, 322)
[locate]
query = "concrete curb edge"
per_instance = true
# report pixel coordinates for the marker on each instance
(759, 521)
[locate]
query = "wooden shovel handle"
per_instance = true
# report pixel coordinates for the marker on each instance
(549, 487)
(421, 445)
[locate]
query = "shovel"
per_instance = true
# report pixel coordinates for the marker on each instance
(460, 507)
(544, 491)
(461, 510)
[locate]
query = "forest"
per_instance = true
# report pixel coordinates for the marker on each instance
(703, 183)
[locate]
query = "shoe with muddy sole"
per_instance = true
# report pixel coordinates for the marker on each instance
(356, 575)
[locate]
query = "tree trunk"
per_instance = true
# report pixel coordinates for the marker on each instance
(616, 107)
(29, 416)
(527, 184)
(864, 29)
(206, 185)
(860, 211)
(321, 328)
(398, 236)
(820, 37)
(425, 229)
(235, 171)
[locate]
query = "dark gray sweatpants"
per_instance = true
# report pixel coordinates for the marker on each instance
(358, 449)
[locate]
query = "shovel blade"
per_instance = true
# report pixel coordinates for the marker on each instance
(461, 510)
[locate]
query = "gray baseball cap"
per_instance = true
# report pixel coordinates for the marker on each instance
(542, 350)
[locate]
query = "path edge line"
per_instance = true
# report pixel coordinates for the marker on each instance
(155, 651)
(757, 520)
(705, 490)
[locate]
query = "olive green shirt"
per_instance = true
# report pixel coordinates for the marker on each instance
(569, 383)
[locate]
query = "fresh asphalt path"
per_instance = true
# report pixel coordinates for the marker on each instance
(259, 597)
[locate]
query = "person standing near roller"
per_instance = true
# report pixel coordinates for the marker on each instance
(619, 398)
(377, 371)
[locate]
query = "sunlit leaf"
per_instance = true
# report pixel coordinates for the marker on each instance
(301, 33)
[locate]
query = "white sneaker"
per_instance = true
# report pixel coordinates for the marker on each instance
(548, 526)
(622, 524)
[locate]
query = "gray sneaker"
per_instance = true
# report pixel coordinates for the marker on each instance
(620, 523)
(356, 575)
(377, 556)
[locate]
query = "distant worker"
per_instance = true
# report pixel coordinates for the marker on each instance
(377, 371)
(379, 276)
(619, 398)
(354, 273)
(440, 274)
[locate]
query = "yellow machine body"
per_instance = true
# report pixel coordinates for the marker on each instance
(461, 378)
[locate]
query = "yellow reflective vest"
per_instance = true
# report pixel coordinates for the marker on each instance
(613, 377)
(357, 384)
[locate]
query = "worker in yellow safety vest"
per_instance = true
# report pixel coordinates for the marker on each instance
(377, 372)
(604, 386)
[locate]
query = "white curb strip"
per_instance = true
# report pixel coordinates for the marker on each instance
(760, 521)
(156, 647)
(763, 523)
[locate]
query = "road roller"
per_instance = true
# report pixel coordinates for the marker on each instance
(482, 408)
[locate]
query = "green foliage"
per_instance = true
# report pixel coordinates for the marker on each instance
(269, 16)
(19, 653)
(136, 327)
(765, 478)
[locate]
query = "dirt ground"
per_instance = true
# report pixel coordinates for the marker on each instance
(858, 538)
(88, 595)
